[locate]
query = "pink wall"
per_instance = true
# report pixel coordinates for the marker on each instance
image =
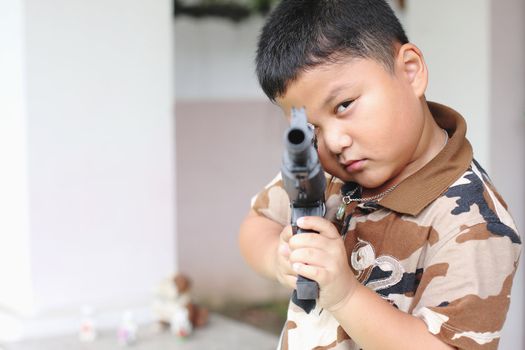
(507, 137)
(226, 152)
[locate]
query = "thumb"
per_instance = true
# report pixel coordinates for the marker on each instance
(286, 234)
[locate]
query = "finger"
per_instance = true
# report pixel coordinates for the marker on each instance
(331, 246)
(303, 240)
(288, 278)
(319, 224)
(309, 271)
(284, 265)
(290, 281)
(309, 256)
(286, 234)
(284, 249)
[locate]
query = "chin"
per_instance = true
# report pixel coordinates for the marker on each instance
(342, 175)
(369, 181)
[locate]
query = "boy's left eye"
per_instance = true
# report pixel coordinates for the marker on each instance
(343, 106)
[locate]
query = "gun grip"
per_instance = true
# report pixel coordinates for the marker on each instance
(307, 289)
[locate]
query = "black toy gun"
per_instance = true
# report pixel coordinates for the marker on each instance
(305, 182)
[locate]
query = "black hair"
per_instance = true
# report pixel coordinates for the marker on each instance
(301, 34)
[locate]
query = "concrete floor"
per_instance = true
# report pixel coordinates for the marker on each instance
(220, 334)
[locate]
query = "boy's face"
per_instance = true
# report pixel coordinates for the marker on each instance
(369, 121)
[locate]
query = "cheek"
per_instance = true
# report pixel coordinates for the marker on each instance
(406, 136)
(328, 161)
(403, 124)
(324, 155)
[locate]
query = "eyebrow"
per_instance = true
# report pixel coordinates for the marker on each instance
(332, 95)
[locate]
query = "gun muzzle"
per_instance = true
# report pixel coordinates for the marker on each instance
(299, 138)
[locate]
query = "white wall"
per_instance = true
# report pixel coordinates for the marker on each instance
(215, 59)
(15, 284)
(455, 39)
(93, 122)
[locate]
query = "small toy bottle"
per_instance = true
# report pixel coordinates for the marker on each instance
(87, 332)
(127, 330)
(180, 324)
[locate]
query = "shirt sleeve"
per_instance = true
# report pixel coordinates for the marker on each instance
(464, 291)
(273, 202)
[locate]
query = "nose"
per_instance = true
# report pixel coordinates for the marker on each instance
(336, 139)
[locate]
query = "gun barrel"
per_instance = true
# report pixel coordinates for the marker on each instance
(304, 182)
(303, 176)
(298, 141)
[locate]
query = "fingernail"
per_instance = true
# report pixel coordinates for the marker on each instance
(300, 221)
(296, 267)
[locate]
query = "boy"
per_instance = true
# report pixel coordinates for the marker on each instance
(422, 251)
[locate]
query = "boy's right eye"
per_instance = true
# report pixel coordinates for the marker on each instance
(343, 106)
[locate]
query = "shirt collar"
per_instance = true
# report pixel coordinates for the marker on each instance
(420, 189)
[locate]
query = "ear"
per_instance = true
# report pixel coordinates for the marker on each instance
(411, 65)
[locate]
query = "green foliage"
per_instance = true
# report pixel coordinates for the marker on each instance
(235, 10)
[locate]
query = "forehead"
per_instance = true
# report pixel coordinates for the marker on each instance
(320, 83)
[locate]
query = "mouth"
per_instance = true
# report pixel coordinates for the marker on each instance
(354, 165)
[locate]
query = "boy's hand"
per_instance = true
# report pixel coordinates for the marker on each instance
(284, 272)
(322, 258)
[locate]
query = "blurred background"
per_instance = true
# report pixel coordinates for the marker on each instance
(133, 135)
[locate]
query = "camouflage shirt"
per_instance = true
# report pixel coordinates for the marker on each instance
(442, 247)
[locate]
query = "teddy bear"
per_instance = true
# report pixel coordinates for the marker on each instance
(174, 308)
